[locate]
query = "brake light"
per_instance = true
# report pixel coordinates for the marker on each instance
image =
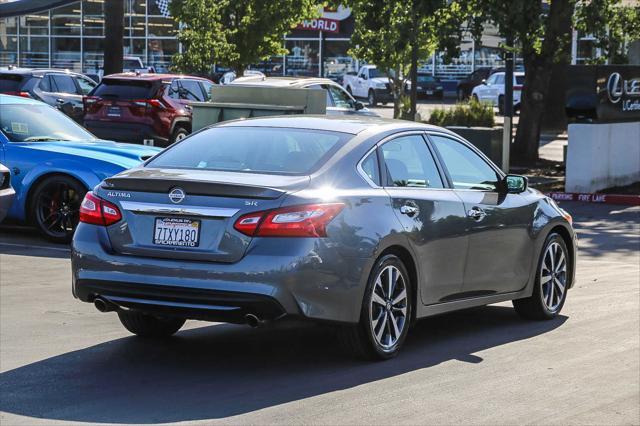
(308, 220)
(517, 87)
(96, 211)
(21, 94)
(90, 103)
(155, 103)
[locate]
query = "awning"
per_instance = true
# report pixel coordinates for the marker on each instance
(23, 7)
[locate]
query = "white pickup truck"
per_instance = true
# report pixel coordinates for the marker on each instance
(369, 83)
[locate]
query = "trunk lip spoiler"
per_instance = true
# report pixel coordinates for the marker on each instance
(154, 208)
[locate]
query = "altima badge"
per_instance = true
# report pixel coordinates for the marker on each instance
(176, 195)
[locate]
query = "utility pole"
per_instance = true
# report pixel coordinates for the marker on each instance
(508, 103)
(414, 62)
(113, 36)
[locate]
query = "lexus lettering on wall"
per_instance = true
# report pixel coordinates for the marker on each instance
(624, 92)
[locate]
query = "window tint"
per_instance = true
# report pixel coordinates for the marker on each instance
(45, 84)
(466, 168)
(85, 85)
(206, 87)
(124, 89)
(370, 168)
(10, 82)
(409, 163)
(63, 84)
(190, 90)
(253, 149)
(340, 98)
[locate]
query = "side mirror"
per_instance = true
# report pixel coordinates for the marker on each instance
(365, 77)
(515, 184)
(359, 105)
(484, 81)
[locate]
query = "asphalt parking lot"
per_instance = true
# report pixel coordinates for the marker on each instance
(62, 362)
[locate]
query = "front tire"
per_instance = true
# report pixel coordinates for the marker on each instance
(386, 312)
(178, 134)
(145, 325)
(371, 98)
(552, 281)
(55, 207)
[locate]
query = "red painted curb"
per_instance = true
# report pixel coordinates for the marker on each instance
(629, 200)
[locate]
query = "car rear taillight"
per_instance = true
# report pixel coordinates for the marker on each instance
(90, 103)
(21, 94)
(517, 87)
(309, 220)
(96, 211)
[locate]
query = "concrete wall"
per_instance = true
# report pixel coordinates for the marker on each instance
(602, 156)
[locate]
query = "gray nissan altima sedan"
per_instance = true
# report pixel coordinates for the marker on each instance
(360, 221)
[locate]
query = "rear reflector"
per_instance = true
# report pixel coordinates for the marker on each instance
(96, 211)
(308, 220)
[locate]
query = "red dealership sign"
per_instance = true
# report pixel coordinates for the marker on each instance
(320, 24)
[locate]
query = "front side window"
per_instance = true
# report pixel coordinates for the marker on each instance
(63, 83)
(253, 150)
(409, 163)
(340, 98)
(467, 169)
(190, 90)
(492, 79)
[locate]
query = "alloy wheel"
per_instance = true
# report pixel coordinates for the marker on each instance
(388, 309)
(57, 209)
(553, 276)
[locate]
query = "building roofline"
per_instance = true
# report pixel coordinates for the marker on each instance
(23, 7)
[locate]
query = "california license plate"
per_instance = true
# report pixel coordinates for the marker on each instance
(176, 232)
(113, 112)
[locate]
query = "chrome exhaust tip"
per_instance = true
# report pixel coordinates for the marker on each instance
(252, 320)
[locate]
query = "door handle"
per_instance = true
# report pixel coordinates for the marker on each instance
(409, 209)
(476, 213)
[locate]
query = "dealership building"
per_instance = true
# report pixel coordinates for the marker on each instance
(70, 35)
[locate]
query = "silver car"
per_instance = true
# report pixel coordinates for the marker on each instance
(6, 192)
(366, 223)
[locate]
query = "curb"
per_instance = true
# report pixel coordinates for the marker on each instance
(627, 200)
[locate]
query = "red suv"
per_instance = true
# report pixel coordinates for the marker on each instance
(132, 107)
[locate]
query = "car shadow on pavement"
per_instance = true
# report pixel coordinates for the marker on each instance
(218, 371)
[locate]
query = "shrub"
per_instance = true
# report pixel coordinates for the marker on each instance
(472, 114)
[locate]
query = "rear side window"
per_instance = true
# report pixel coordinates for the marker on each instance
(520, 79)
(45, 84)
(410, 163)
(370, 168)
(124, 89)
(10, 82)
(253, 150)
(63, 84)
(86, 85)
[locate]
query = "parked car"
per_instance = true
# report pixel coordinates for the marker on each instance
(133, 107)
(58, 88)
(492, 90)
(369, 83)
(363, 222)
(466, 85)
(428, 86)
(338, 100)
(129, 64)
(6, 192)
(54, 162)
(229, 76)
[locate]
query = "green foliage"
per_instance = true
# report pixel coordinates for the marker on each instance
(234, 33)
(471, 114)
(385, 32)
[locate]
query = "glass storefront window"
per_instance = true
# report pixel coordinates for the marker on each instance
(302, 58)
(66, 20)
(160, 52)
(159, 26)
(8, 26)
(135, 47)
(8, 50)
(34, 52)
(93, 55)
(65, 53)
(337, 61)
(93, 17)
(34, 24)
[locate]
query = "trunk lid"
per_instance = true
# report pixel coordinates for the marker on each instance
(196, 221)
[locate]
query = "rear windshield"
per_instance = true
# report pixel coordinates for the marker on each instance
(125, 89)
(10, 82)
(253, 150)
(520, 79)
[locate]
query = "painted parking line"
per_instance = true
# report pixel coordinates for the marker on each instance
(32, 247)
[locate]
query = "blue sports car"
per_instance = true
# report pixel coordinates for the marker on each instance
(54, 162)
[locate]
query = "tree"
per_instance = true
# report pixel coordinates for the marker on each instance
(113, 36)
(542, 33)
(234, 33)
(390, 33)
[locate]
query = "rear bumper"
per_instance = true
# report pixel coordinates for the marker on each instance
(125, 132)
(309, 281)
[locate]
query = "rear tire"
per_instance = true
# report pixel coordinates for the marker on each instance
(552, 282)
(375, 336)
(371, 98)
(145, 325)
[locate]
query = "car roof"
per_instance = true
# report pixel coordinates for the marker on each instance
(18, 100)
(37, 71)
(281, 81)
(352, 124)
(149, 76)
